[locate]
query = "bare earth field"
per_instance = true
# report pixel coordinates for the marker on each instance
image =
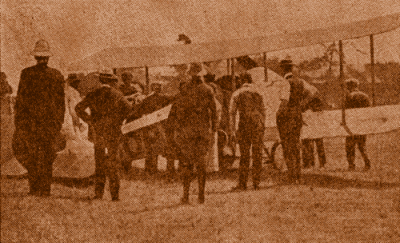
(330, 205)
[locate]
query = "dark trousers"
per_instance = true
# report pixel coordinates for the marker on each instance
(154, 139)
(150, 164)
(308, 152)
(107, 165)
(171, 152)
(351, 142)
(193, 154)
(40, 164)
(250, 139)
(289, 123)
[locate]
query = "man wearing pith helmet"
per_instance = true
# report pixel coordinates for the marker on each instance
(39, 115)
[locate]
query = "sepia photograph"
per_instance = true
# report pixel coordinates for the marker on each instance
(200, 121)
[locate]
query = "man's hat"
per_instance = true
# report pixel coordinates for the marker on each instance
(42, 49)
(185, 38)
(108, 78)
(127, 75)
(195, 68)
(72, 76)
(73, 80)
(352, 81)
(286, 63)
(246, 62)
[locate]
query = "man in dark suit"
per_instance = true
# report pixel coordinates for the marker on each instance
(289, 119)
(39, 115)
(194, 119)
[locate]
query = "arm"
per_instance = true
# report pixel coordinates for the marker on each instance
(170, 124)
(262, 107)
(213, 109)
(125, 107)
(21, 111)
(309, 93)
(81, 107)
(232, 113)
(58, 93)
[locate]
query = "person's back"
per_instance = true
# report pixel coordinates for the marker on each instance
(193, 117)
(37, 99)
(251, 110)
(108, 109)
(193, 108)
(357, 99)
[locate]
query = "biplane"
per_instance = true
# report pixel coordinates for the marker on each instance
(89, 38)
(324, 124)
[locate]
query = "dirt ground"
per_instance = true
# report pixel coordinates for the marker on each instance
(330, 205)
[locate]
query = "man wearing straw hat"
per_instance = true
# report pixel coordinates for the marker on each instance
(39, 115)
(108, 110)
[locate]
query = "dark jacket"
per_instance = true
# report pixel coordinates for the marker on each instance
(108, 110)
(40, 102)
(357, 99)
(251, 109)
(153, 103)
(194, 110)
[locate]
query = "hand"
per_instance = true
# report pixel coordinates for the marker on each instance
(232, 139)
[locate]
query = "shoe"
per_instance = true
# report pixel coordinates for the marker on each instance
(34, 193)
(352, 167)
(256, 187)
(201, 199)
(115, 199)
(45, 194)
(184, 200)
(97, 197)
(238, 189)
(367, 168)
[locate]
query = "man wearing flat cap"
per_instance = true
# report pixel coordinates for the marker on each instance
(356, 99)
(39, 115)
(108, 109)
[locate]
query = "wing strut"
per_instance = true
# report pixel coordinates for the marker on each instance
(371, 42)
(342, 80)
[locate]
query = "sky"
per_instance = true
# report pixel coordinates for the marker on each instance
(78, 28)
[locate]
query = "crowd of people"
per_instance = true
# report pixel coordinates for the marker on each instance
(188, 132)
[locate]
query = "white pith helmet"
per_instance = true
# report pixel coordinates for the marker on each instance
(42, 49)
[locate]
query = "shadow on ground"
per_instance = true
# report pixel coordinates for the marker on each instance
(278, 178)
